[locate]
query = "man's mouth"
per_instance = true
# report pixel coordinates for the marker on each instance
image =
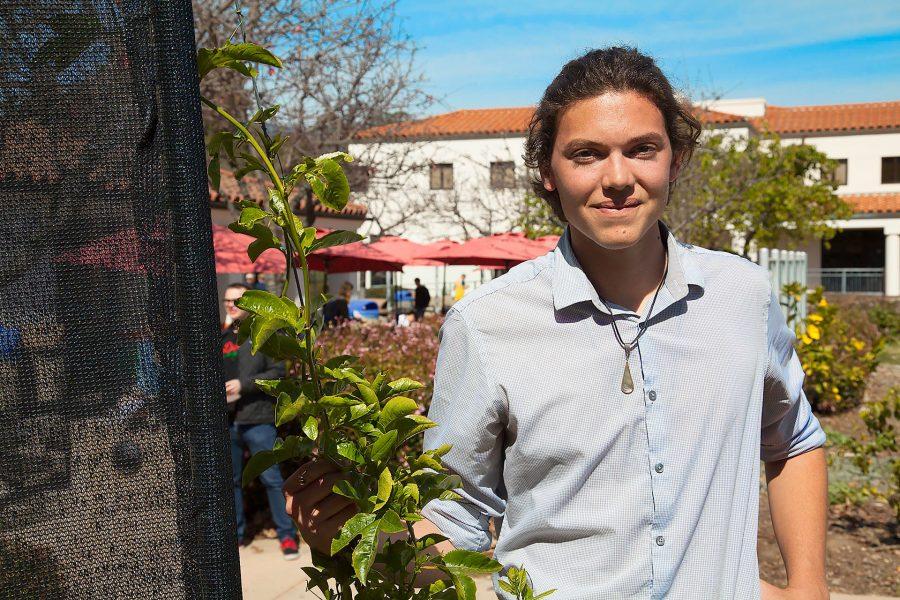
(613, 207)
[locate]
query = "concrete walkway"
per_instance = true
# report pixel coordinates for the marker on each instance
(265, 575)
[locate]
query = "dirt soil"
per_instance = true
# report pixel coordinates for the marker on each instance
(863, 547)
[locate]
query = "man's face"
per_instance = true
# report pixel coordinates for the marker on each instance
(231, 296)
(612, 164)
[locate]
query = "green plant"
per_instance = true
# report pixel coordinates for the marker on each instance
(879, 418)
(838, 348)
(517, 584)
(344, 413)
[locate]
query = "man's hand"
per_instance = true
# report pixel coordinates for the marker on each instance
(318, 512)
(771, 592)
(232, 390)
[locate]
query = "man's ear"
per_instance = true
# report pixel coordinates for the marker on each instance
(675, 167)
(548, 180)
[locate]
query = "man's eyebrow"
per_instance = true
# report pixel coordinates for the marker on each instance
(641, 139)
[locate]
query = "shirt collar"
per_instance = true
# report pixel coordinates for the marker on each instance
(571, 286)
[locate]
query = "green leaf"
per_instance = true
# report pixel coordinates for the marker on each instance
(265, 238)
(350, 451)
(251, 215)
(507, 587)
(249, 52)
(214, 172)
(337, 401)
(352, 528)
(367, 393)
(335, 238)
(404, 384)
(264, 114)
(269, 305)
(205, 61)
(364, 553)
(336, 156)
(292, 447)
(413, 491)
(545, 594)
(469, 562)
(341, 360)
(391, 523)
(414, 424)
(287, 409)
(428, 540)
(283, 347)
(396, 408)
(262, 329)
(465, 586)
(383, 446)
(311, 428)
(329, 184)
(385, 485)
(277, 202)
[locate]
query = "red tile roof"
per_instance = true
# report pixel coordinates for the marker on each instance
(250, 188)
(488, 121)
(780, 119)
(831, 117)
(888, 202)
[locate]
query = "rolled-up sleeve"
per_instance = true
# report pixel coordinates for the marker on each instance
(469, 408)
(789, 427)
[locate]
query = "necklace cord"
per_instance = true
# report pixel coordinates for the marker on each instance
(642, 325)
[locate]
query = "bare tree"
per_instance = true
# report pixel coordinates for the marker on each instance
(348, 67)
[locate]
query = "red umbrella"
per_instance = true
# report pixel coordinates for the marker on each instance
(549, 242)
(352, 257)
(231, 254)
(493, 251)
(404, 250)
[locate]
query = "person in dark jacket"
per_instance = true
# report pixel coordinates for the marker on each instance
(251, 418)
(422, 299)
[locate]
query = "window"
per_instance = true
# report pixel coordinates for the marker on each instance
(503, 175)
(840, 172)
(890, 169)
(441, 176)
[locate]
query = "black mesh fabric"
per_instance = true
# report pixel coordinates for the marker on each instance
(115, 480)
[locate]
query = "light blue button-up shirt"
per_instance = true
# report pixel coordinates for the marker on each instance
(602, 494)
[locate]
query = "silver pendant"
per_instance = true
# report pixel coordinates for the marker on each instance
(627, 381)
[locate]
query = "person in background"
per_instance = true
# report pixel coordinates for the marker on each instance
(459, 290)
(251, 419)
(422, 300)
(253, 283)
(338, 308)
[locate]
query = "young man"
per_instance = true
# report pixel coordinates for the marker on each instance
(422, 299)
(251, 415)
(610, 401)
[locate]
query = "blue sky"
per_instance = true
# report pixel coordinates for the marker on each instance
(478, 54)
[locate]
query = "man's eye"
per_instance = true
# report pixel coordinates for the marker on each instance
(645, 149)
(583, 154)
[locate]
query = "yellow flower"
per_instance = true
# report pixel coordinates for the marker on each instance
(813, 332)
(823, 303)
(806, 339)
(815, 318)
(859, 345)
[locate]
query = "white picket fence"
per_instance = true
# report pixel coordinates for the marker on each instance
(786, 266)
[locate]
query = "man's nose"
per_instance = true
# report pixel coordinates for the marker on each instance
(616, 175)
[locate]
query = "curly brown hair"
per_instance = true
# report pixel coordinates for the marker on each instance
(614, 69)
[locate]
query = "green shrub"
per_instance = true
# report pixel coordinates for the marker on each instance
(838, 346)
(877, 450)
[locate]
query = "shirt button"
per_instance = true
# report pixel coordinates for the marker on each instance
(659, 467)
(652, 395)
(660, 540)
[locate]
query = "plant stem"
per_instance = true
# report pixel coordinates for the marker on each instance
(291, 229)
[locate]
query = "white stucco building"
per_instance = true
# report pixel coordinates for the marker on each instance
(471, 174)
